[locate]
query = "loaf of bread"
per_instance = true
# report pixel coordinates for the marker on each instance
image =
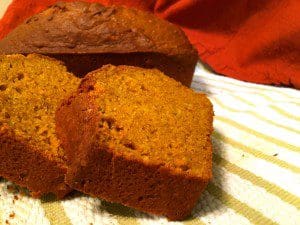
(137, 137)
(31, 88)
(86, 36)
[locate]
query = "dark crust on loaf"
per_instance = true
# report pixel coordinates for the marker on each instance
(98, 171)
(82, 28)
(180, 69)
(26, 167)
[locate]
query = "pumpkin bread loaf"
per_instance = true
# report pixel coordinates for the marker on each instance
(31, 88)
(86, 36)
(137, 137)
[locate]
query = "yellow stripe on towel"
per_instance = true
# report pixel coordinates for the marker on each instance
(193, 221)
(256, 115)
(1, 216)
(285, 113)
(256, 153)
(55, 212)
(258, 181)
(258, 134)
(243, 209)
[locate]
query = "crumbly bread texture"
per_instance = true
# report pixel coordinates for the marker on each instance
(137, 137)
(31, 88)
(88, 35)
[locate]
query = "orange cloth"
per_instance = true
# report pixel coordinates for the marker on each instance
(251, 40)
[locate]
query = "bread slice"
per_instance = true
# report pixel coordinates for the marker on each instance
(137, 137)
(88, 35)
(31, 88)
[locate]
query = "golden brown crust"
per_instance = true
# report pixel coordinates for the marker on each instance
(69, 30)
(25, 166)
(97, 169)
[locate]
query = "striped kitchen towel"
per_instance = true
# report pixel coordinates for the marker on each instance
(256, 167)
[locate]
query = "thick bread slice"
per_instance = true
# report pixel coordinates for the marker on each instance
(31, 88)
(137, 137)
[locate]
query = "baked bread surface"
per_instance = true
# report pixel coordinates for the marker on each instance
(88, 35)
(31, 88)
(137, 137)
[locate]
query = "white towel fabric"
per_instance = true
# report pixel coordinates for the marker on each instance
(256, 166)
(3, 6)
